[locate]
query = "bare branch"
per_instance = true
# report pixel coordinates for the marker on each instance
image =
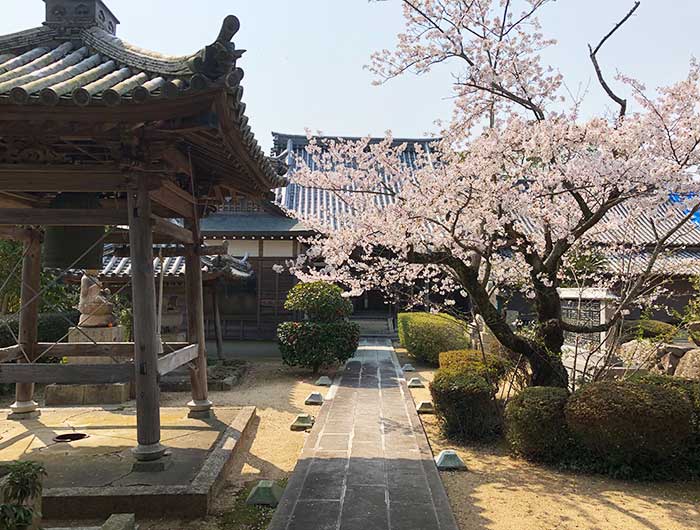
(594, 59)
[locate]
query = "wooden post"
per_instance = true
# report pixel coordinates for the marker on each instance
(200, 406)
(145, 333)
(24, 406)
(217, 322)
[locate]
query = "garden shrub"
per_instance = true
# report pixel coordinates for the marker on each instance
(464, 404)
(317, 344)
(52, 327)
(425, 335)
(630, 424)
(494, 368)
(319, 301)
(327, 337)
(536, 424)
(646, 329)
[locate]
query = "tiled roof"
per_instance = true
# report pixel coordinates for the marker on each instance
(173, 267)
(307, 202)
(84, 65)
(251, 224)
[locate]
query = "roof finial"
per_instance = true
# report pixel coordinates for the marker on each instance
(229, 28)
(69, 15)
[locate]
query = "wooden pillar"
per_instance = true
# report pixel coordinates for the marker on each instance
(24, 405)
(200, 406)
(217, 322)
(145, 333)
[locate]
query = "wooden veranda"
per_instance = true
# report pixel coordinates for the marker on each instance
(151, 139)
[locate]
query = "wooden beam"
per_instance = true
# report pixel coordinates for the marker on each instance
(67, 374)
(57, 178)
(10, 353)
(173, 361)
(28, 321)
(62, 217)
(123, 350)
(176, 232)
(174, 198)
(170, 252)
(146, 345)
(15, 234)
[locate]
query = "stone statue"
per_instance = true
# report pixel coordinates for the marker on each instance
(96, 311)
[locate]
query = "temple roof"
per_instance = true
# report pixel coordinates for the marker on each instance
(76, 61)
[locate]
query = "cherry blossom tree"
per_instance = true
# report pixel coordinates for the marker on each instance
(519, 185)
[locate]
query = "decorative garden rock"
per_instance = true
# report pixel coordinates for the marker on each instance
(315, 398)
(415, 382)
(449, 460)
(324, 380)
(689, 365)
(694, 332)
(302, 422)
(265, 493)
(425, 407)
(408, 368)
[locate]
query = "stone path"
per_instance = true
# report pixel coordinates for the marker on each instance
(366, 464)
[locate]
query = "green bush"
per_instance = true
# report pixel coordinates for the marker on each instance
(647, 329)
(630, 424)
(425, 335)
(464, 404)
(536, 424)
(494, 368)
(688, 388)
(319, 301)
(52, 327)
(317, 344)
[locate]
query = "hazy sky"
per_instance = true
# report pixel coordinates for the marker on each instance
(304, 65)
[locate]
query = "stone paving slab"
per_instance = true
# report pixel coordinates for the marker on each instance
(366, 464)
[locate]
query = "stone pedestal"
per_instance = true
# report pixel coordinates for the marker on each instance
(97, 394)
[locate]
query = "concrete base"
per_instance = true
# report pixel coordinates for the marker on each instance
(199, 409)
(148, 453)
(24, 410)
(265, 493)
(96, 477)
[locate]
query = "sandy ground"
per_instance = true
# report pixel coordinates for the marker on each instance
(269, 450)
(503, 493)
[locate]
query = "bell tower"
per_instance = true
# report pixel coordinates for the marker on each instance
(67, 15)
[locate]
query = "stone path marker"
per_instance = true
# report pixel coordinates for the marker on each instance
(302, 422)
(265, 493)
(449, 460)
(366, 464)
(415, 382)
(315, 398)
(324, 380)
(408, 368)
(425, 407)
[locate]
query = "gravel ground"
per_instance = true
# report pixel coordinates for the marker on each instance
(500, 492)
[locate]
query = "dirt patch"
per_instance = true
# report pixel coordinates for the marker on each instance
(500, 492)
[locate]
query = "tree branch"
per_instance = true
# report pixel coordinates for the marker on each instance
(594, 59)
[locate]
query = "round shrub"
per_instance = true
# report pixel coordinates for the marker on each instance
(536, 423)
(464, 404)
(425, 335)
(495, 367)
(316, 344)
(630, 423)
(319, 301)
(646, 329)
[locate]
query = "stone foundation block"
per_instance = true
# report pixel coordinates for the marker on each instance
(106, 394)
(64, 394)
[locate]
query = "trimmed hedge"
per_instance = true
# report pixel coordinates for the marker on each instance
(52, 327)
(319, 301)
(630, 424)
(317, 344)
(464, 404)
(646, 329)
(496, 367)
(425, 335)
(536, 423)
